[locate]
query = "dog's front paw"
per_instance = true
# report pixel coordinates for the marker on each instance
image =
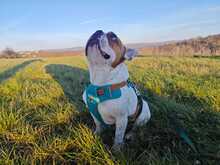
(129, 136)
(117, 147)
(97, 132)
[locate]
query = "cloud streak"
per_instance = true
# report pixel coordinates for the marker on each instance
(95, 20)
(214, 9)
(90, 21)
(188, 24)
(13, 24)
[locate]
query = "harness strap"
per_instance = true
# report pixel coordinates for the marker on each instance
(138, 111)
(101, 91)
(133, 118)
(119, 85)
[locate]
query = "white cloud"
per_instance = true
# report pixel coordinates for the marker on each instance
(13, 24)
(88, 21)
(214, 9)
(95, 20)
(188, 25)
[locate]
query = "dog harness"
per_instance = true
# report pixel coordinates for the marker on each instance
(97, 94)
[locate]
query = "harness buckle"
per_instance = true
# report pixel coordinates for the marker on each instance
(110, 91)
(100, 92)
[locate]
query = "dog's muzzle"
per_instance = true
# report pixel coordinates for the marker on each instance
(95, 40)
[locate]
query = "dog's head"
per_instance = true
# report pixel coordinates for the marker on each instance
(107, 49)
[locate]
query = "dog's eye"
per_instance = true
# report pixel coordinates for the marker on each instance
(114, 38)
(106, 56)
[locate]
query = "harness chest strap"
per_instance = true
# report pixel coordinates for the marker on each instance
(139, 107)
(118, 85)
(101, 91)
(99, 94)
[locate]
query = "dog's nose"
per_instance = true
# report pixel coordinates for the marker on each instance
(98, 33)
(94, 39)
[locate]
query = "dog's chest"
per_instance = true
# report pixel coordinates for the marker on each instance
(105, 75)
(120, 107)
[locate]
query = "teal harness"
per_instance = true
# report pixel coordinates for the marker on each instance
(97, 94)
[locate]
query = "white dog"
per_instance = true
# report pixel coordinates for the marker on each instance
(109, 97)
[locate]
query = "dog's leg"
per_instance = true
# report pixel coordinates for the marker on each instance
(144, 116)
(98, 126)
(121, 125)
(141, 120)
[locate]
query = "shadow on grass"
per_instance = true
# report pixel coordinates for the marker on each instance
(210, 57)
(73, 81)
(159, 135)
(12, 71)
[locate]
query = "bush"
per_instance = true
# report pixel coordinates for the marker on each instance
(9, 53)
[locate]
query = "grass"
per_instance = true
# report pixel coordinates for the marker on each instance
(43, 118)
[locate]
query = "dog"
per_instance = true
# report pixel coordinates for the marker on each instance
(109, 97)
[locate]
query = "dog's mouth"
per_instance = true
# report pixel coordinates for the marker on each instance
(95, 40)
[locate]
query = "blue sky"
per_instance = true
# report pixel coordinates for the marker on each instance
(48, 24)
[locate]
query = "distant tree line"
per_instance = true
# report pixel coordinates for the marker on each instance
(9, 53)
(208, 46)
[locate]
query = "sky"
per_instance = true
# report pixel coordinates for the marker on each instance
(55, 24)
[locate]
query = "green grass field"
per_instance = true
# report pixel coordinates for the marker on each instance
(44, 121)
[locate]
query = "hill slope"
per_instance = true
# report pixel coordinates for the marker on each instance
(204, 46)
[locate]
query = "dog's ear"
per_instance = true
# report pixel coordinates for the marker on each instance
(130, 54)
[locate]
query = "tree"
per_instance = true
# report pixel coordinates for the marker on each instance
(212, 48)
(9, 53)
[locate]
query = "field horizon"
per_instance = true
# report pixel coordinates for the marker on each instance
(207, 46)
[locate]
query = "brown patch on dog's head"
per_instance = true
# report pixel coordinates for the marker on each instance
(117, 46)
